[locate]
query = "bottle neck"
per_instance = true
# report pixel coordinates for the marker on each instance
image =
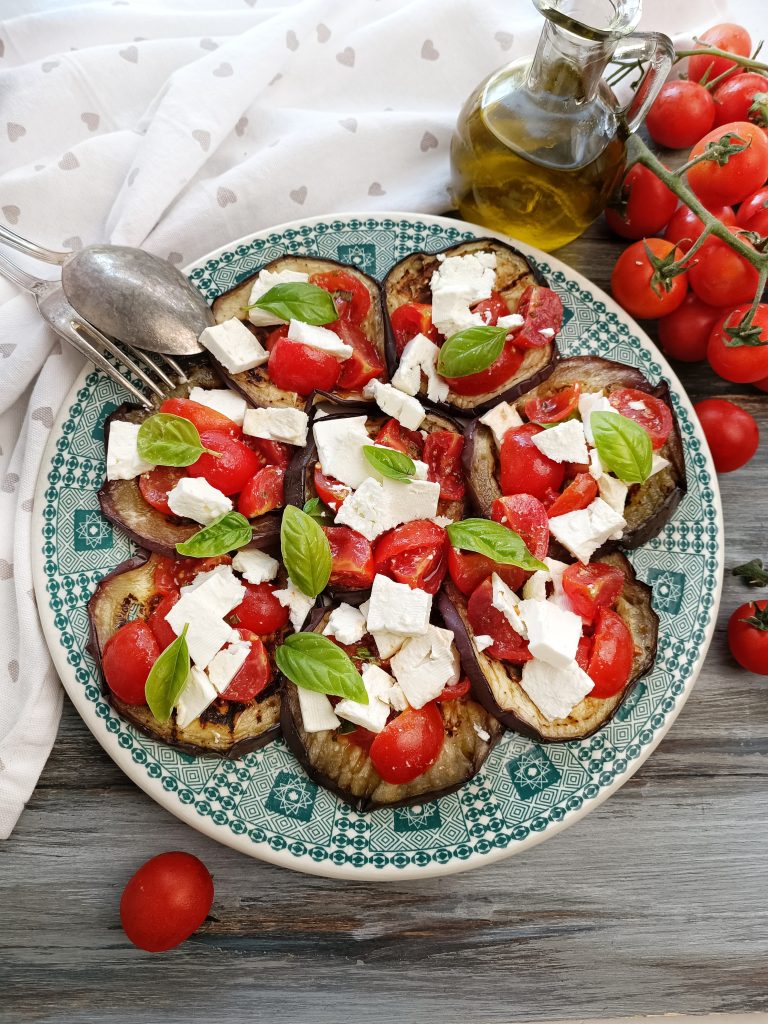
(568, 67)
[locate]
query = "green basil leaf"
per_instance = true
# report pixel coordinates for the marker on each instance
(168, 440)
(299, 300)
(306, 551)
(228, 532)
(389, 463)
(315, 663)
(624, 446)
(167, 677)
(494, 541)
(471, 351)
(317, 510)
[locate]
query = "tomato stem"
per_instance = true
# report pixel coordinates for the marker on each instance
(715, 51)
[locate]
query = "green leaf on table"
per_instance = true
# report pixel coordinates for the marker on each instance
(316, 663)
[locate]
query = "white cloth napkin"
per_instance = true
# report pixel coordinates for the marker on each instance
(180, 128)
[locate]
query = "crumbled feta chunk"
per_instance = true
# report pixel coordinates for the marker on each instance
(234, 346)
(267, 280)
(396, 608)
(589, 402)
(373, 715)
(553, 633)
(426, 664)
(613, 492)
(595, 465)
(320, 338)
(202, 610)
(547, 332)
(194, 498)
(123, 459)
(346, 624)
(505, 601)
(225, 665)
(555, 691)
(510, 321)
(417, 499)
(199, 578)
(317, 714)
(297, 602)
(482, 734)
(255, 566)
(365, 510)
(483, 640)
(286, 425)
(420, 356)
(535, 587)
(637, 406)
(221, 400)
(198, 694)
(442, 521)
(458, 283)
(386, 643)
(394, 402)
(340, 444)
(564, 442)
(582, 532)
(658, 462)
(500, 419)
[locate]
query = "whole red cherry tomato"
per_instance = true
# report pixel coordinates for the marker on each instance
(167, 900)
(748, 636)
(408, 745)
(727, 36)
(720, 276)
(718, 184)
(734, 358)
(742, 98)
(643, 205)
(685, 227)
(731, 433)
(681, 113)
(128, 656)
(684, 334)
(641, 287)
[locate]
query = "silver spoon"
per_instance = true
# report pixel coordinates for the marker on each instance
(129, 294)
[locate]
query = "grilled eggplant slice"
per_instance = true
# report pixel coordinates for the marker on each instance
(225, 729)
(408, 281)
(331, 761)
(649, 506)
(255, 384)
(122, 503)
(495, 684)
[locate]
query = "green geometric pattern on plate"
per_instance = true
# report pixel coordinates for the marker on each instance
(265, 802)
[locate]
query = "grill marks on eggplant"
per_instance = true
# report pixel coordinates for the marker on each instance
(255, 384)
(495, 684)
(225, 729)
(408, 281)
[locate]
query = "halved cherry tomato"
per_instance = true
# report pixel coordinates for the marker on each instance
(394, 435)
(655, 417)
(542, 311)
(468, 569)
(411, 319)
(187, 569)
(580, 493)
(553, 408)
(613, 649)
(486, 620)
(329, 490)
(497, 374)
(408, 745)
(263, 493)
(231, 469)
(164, 578)
(584, 652)
(167, 899)
(458, 691)
(527, 516)
(272, 453)
(359, 737)
(296, 367)
(255, 674)
(414, 553)
(442, 454)
(364, 364)
(156, 484)
(492, 308)
(163, 632)
(352, 555)
(278, 334)
(202, 417)
(593, 586)
(128, 656)
(351, 297)
(524, 469)
(259, 611)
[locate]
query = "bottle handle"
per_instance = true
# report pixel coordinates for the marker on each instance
(656, 49)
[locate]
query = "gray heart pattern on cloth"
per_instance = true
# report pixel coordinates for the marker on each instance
(375, 189)
(241, 125)
(44, 415)
(428, 51)
(225, 196)
(298, 195)
(12, 214)
(175, 258)
(203, 138)
(428, 141)
(6, 349)
(13, 670)
(350, 123)
(10, 482)
(69, 162)
(131, 54)
(505, 40)
(15, 131)
(323, 33)
(208, 44)
(346, 57)
(224, 70)
(90, 120)
(291, 40)
(27, 505)
(6, 569)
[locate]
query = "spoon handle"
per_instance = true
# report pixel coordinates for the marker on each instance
(31, 248)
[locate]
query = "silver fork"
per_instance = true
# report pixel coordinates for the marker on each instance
(87, 339)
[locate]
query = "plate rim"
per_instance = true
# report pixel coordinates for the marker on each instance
(304, 863)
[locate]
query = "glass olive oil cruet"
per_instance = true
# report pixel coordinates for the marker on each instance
(540, 144)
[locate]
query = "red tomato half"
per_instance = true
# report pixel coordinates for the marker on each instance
(553, 408)
(458, 691)
(718, 184)
(524, 469)
(645, 203)
(486, 620)
(654, 417)
(442, 454)
(329, 490)
(296, 367)
(255, 674)
(202, 417)
(610, 663)
(492, 308)
(259, 612)
(234, 466)
(263, 493)
(273, 453)
(580, 493)
(414, 553)
(748, 641)
(364, 364)
(128, 656)
(542, 312)
(395, 435)
(726, 36)
(409, 744)
(527, 516)
(351, 297)
(167, 900)
(352, 555)
(593, 586)
(156, 484)
(497, 374)
(468, 569)
(411, 319)
(731, 432)
(185, 570)
(164, 576)
(163, 632)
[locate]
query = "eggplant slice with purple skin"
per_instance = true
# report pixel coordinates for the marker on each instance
(649, 506)
(331, 761)
(255, 384)
(495, 684)
(408, 281)
(225, 729)
(122, 503)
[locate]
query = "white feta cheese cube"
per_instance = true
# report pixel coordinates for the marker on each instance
(417, 499)
(613, 492)
(123, 459)
(288, 426)
(547, 332)
(340, 444)
(346, 623)
(535, 587)
(420, 356)
(589, 402)
(255, 566)
(451, 312)
(317, 714)
(406, 410)
(396, 608)
(386, 643)
(320, 338)
(225, 665)
(482, 734)
(555, 691)
(297, 602)
(584, 531)
(365, 510)
(194, 498)
(500, 419)
(510, 321)
(233, 345)
(373, 715)
(658, 462)
(202, 608)
(505, 601)
(556, 569)
(483, 640)
(638, 406)
(200, 578)
(221, 400)
(553, 633)
(267, 280)
(425, 665)
(458, 283)
(564, 442)
(198, 694)
(595, 465)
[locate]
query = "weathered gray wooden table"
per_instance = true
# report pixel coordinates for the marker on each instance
(656, 902)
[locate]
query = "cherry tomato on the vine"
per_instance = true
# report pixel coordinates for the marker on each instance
(735, 357)
(748, 636)
(685, 227)
(727, 36)
(742, 98)
(731, 433)
(642, 289)
(720, 276)
(644, 204)
(684, 334)
(754, 204)
(745, 170)
(681, 113)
